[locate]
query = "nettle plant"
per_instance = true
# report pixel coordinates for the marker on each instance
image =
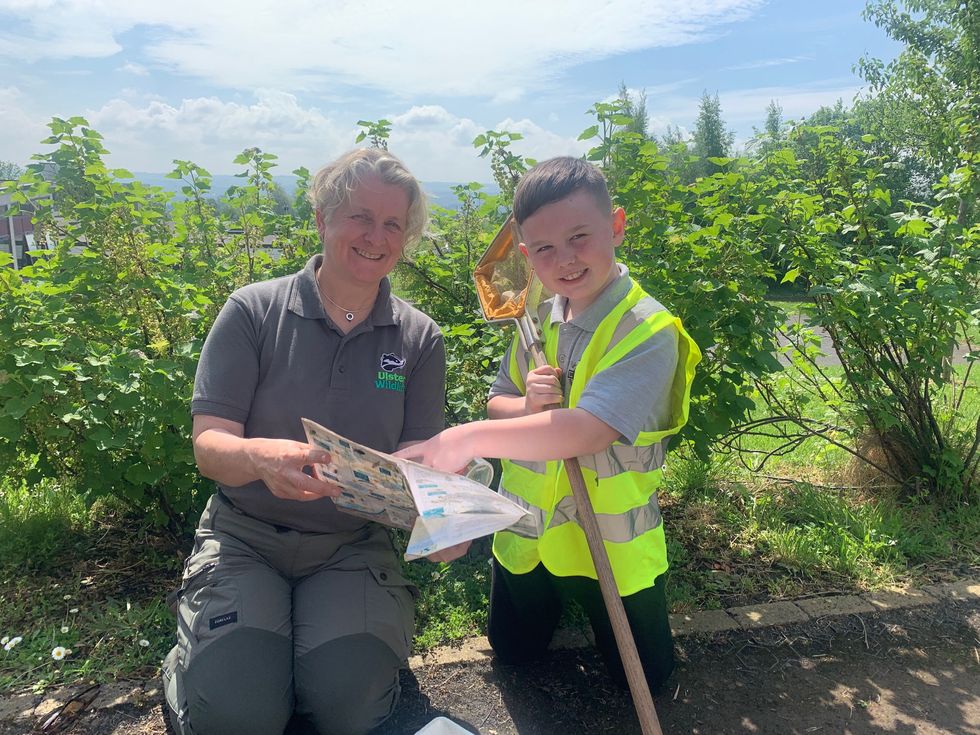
(100, 336)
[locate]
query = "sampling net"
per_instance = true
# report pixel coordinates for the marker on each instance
(502, 277)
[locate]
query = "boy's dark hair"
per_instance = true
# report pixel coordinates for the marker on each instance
(553, 180)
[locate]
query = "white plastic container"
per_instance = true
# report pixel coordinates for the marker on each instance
(443, 726)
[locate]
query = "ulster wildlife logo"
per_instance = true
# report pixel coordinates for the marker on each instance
(387, 378)
(390, 362)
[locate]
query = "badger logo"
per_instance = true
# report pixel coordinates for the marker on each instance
(391, 362)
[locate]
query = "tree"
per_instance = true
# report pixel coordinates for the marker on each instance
(674, 145)
(636, 108)
(9, 170)
(711, 139)
(931, 91)
(774, 122)
(283, 202)
(772, 136)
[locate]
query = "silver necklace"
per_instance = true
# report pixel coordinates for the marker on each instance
(348, 313)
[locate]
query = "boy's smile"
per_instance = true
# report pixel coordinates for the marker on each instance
(571, 245)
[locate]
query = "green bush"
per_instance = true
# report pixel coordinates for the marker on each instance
(100, 336)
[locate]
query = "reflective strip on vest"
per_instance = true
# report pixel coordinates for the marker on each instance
(618, 528)
(620, 458)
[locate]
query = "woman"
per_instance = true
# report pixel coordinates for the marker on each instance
(288, 605)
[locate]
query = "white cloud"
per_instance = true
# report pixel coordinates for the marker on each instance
(145, 132)
(137, 69)
(765, 63)
(423, 116)
(442, 147)
(147, 135)
(22, 128)
(539, 143)
(426, 47)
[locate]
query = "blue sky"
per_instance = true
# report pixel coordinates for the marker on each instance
(203, 80)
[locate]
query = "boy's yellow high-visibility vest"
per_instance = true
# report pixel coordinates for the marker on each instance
(621, 485)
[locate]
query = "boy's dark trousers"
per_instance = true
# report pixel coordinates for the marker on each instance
(525, 609)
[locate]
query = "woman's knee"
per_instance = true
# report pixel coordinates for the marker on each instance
(347, 685)
(241, 684)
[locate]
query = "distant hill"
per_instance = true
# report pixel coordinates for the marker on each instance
(439, 192)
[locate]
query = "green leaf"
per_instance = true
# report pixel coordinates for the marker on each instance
(791, 276)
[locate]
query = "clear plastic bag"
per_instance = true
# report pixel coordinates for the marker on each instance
(479, 470)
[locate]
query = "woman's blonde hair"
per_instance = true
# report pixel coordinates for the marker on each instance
(333, 184)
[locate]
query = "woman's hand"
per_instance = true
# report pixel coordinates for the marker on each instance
(279, 463)
(448, 451)
(224, 455)
(543, 389)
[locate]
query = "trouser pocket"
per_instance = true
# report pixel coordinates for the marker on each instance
(208, 607)
(389, 604)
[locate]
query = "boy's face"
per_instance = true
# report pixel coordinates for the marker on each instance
(571, 245)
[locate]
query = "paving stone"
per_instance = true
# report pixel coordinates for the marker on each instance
(763, 616)
(891, 600)
(705, 621)
(818, 607)
(965, 589)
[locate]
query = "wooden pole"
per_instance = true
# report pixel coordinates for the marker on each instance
(642, 700)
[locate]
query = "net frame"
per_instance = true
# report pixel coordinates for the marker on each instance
(502, 276)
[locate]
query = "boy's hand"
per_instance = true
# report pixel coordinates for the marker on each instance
(448, 451)
(543, 389)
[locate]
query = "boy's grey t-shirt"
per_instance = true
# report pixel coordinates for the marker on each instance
(273, 357)
(631, 396)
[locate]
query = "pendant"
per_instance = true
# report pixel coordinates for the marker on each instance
(350, 316)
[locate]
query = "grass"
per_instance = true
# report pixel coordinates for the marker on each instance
(734, 542)
(89, 580)
(813, 521)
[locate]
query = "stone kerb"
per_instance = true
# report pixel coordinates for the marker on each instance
(748, 617)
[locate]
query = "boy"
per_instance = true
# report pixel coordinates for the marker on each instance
(619, 385)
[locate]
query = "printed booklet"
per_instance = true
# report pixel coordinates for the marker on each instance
(439, 508)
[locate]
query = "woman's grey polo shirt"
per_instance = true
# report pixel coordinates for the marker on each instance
(273, 357)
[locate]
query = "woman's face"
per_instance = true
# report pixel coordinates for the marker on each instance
(365, 235)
